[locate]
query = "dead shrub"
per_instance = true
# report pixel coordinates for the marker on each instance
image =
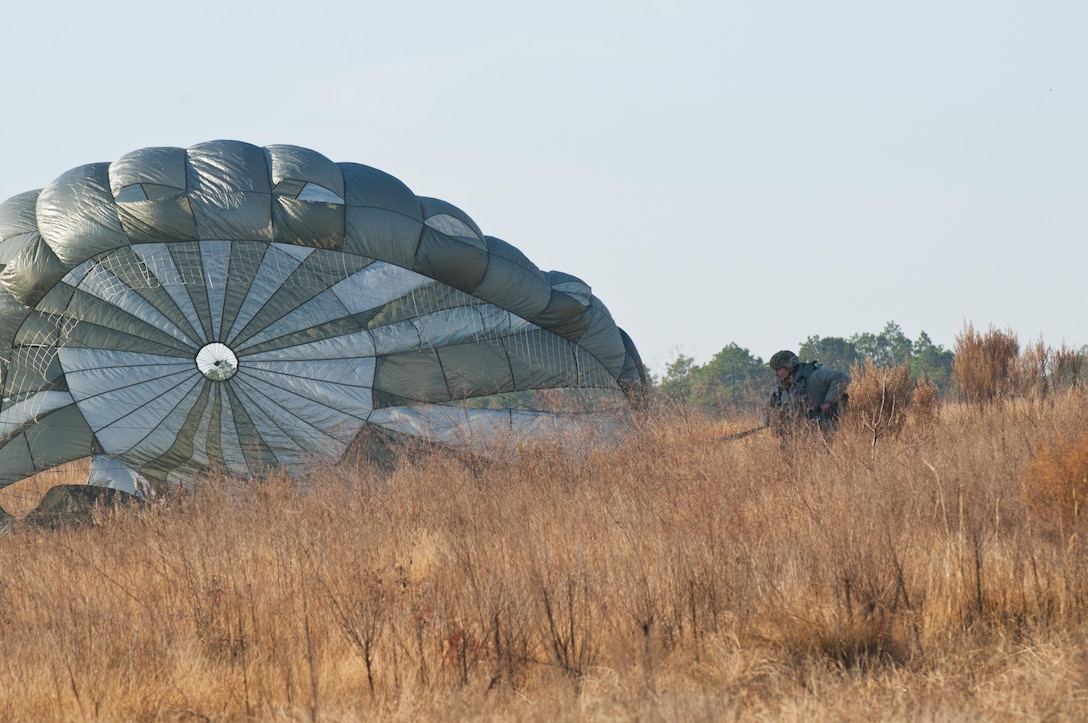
(1055, 485)
(1066, 367)
(984, 363)
(880, 396)
(925, 404)
(1029, 371)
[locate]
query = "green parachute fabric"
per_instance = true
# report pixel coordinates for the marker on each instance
(243, 308)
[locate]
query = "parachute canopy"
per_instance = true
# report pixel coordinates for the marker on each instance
(242, 308)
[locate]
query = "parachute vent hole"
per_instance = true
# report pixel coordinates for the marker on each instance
(217, 362)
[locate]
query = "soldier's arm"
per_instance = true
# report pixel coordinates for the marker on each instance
(837, 385)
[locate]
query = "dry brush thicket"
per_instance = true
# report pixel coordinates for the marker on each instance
(921, 563)
(991, 365)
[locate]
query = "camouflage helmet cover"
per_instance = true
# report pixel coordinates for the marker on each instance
(784, 359)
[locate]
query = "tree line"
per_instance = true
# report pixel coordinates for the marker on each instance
(734, 379)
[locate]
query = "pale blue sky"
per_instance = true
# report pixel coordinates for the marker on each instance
(717, 171)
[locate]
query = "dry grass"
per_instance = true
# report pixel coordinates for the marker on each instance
(672, 577)
(1055, 485)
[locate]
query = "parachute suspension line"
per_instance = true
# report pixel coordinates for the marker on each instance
(329, 268)
(113, 275)
(190, 272)
(479, 329)
(159, 266)
(413, 298)
(38, 350)
(578, 371)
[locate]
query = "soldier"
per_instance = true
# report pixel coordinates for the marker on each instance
(804, 391)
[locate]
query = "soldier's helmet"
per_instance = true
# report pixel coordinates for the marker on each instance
(784, 359)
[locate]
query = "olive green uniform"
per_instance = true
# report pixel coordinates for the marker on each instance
(801, 396)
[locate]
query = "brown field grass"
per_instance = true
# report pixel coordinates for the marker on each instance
(896, 572)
